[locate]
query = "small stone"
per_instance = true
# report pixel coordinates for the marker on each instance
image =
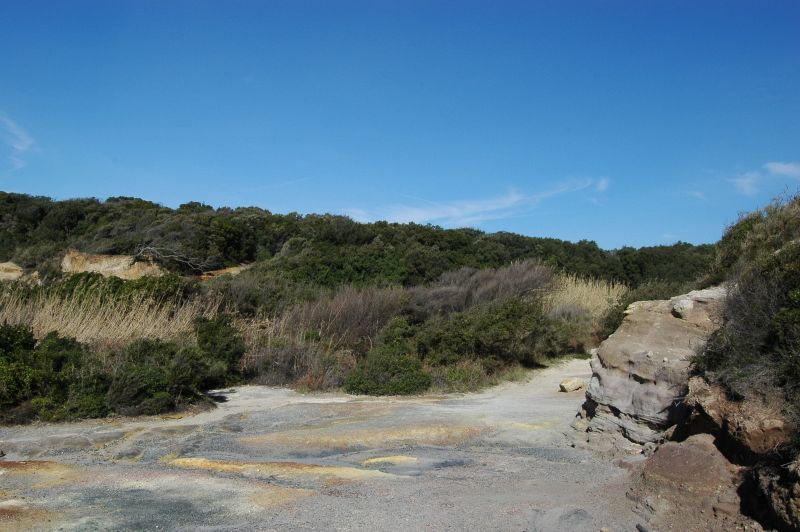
(571, 384)
(665, 360)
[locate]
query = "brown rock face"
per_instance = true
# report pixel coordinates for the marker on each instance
(640, 372)
(780, 488)
(757, 428)
(122, 266)
(689, 486)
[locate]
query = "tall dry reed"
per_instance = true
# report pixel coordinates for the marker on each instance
(595, 296)
(100, 319)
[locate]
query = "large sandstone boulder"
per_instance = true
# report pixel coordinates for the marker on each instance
(640, 373)
(10, 271)
(122, 266)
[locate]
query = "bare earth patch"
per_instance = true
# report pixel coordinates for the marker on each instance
(271, 458)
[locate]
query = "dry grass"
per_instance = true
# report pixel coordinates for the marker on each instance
(593, 295)
(314, 344)
(99, 319)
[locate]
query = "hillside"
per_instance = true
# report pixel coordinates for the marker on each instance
(327, 250)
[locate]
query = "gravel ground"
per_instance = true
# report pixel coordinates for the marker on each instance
(273, 459)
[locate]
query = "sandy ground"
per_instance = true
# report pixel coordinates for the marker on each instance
(273, 459)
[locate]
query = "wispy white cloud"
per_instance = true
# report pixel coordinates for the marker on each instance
(747, 182)
(602, 184)
(784, 169)
(17, 139)
(460, 213)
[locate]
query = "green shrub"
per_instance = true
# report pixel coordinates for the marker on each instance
(15, 340)
(140, 390)
(190, 370)
(514, 331)
(16, 383)
(220, 340)
(387, 370)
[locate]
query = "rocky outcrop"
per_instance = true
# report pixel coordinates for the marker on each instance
(10, 271)
(640, 373)
(232, 270)
(747, 429)
(122, 266)
(699, 459)
(689, 485)
(755, 433)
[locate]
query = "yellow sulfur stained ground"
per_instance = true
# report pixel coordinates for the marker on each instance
(392, 460)
(529, 426)
(278, 496)
(279, 470)
(314, 438)
(16, 515)
(40, 473)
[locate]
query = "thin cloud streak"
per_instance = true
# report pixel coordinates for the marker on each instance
(461, 213)
(784, 169)
(746, 183)
(17, 139)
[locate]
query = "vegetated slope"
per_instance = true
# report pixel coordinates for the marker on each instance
(756, 353)
(376, 308)
(319, 249)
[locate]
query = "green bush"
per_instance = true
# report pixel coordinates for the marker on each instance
(220, 340)
(387, 370)
(138, 389)
(15, 340)
(514, 331)
(60, 379)
(16, 383)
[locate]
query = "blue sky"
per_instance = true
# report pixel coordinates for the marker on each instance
(627, 123)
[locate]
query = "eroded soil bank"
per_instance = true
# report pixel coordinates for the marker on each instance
(271, 458)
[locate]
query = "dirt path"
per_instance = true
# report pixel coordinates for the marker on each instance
(274, 459)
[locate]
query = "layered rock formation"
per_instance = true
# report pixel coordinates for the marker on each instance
(640, 373)
(122, 266)
(723, 464)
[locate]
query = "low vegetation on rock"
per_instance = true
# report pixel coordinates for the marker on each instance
(756, 353)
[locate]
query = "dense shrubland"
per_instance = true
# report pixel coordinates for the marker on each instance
(57, 378)
(374, 308)
(294, 252)
(756, 353)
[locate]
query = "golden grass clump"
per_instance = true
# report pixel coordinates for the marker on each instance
(100, 319)
(594, 295)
